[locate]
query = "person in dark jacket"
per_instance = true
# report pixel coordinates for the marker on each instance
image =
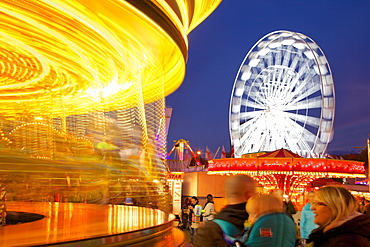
(271, 226)
(238, 190)
(340, 224)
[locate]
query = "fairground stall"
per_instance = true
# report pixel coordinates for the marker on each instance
(282, 169)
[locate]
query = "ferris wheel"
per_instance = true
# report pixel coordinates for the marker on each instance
(283, 97)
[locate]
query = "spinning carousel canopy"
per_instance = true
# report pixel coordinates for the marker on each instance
(78, 53)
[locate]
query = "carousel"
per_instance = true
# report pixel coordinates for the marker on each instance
(82, 124)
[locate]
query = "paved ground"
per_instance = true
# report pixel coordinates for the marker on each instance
(187, 235)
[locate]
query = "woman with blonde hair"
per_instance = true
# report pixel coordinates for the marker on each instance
(335, 210)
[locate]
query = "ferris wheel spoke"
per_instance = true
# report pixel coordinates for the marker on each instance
(306, 92)
(260, 85)
(304, 69)
(298, 137)
(309, 77)
(303, 89)
(259, 141)
(256, 96)
(253, 104)
(271, 86)
(275, 141)
(288, 79)
(246, 128)
(312, 103)
(300, 131)
(274, 89)
(295, 90)
(291, 142)
(302, 83)
(292, 80)
(258, 92)
(285, 84)
(249, 126)
(307, 139)
(250, 115)
(287, 91)
(253, 126)
(311, 121)
(302, 142)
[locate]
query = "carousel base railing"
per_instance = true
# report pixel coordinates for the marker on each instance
(81, 224)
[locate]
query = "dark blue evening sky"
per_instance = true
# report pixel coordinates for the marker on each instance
(218, 46)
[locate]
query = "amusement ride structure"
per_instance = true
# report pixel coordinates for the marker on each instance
(281, 116)
(83, 86)
(181, 145)
(283, 97)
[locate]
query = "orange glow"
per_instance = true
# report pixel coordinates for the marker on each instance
(70, 222)
(82, 52)
(82, 90)
(291, 175)
(288, 166)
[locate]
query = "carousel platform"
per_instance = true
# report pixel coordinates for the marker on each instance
(81, 224)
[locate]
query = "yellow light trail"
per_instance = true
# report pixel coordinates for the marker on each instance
(81, 52)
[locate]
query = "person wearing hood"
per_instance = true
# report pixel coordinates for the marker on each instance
(306, 223)
(269, 224)
(340, 224)
(238, 190)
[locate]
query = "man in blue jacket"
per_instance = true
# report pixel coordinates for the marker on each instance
(307, 216)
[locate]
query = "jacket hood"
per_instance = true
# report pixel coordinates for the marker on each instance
(235, 214)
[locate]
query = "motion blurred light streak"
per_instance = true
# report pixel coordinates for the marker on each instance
(82, 88)
(89, 44)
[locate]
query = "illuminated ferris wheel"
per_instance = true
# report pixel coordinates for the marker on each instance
(283, 97)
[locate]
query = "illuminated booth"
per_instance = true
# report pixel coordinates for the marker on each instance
(82, 116)
(287, 171)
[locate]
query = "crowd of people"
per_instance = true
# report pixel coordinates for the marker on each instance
(331, 217)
